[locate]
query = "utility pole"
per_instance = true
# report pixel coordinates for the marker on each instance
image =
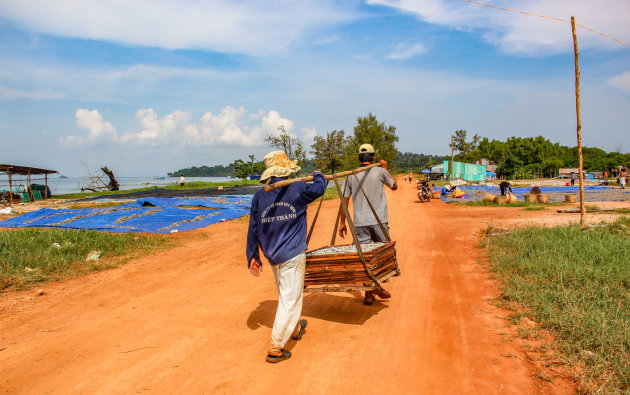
(579, 124)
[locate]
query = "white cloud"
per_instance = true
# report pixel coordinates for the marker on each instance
(220, 25)
(406, 51)
(308, 133)
(621, 81)
(230, 127)
(524, 34)
(98, 130)
(157, 131)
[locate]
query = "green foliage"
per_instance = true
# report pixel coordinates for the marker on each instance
(246, 169)
(575, 283)
(291, 145)
(328, 151)
(465, 148)
(536, 156)
(408, 161)
(205, 171)
(369, 130)
(30, 256)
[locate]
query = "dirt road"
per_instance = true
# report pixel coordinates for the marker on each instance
(193, 320)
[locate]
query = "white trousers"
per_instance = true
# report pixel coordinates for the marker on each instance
(290, 283)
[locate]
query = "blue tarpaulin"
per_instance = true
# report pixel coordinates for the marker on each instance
(476, 192)
(154, 215)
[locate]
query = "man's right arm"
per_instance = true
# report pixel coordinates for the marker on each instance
(252, 237)
(343, 230)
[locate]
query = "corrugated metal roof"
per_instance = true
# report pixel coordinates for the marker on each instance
(24, 170)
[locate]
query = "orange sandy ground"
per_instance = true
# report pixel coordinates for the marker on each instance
(193, 320)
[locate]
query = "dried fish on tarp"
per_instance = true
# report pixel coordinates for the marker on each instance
(137, 215)
(196, 219)
(77, 217)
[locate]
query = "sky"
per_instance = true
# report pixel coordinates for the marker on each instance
(150, 87)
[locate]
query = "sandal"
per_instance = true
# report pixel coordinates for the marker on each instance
(382, 293)
(303, 324)
(286, 354)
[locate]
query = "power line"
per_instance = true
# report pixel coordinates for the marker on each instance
(549, 17)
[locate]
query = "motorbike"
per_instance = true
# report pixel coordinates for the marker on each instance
(424, 192)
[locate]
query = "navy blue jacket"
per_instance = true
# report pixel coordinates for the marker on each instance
(277, 221)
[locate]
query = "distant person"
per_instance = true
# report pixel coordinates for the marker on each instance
(277, 225)
(366, 225)
(504, 186)
(605, 177)
(410, 176)
(623, 174)
(182, 181)
(572, 179)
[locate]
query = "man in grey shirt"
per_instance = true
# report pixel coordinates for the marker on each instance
(366, 225)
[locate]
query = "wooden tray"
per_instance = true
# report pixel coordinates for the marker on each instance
(328, 270)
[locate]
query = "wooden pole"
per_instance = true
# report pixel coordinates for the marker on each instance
(10, 189)
(284, 183)
(579, 124)
(452, 175)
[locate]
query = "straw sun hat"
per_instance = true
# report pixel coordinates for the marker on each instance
(278, 164)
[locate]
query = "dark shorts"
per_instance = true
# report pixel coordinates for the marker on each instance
(368, 234)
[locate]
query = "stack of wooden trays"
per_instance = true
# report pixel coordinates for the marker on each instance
(339, 268)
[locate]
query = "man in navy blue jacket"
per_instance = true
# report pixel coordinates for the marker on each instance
(277, 224)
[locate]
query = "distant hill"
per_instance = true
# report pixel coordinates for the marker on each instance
(205, 171)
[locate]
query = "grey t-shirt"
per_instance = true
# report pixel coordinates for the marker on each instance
(376, 177)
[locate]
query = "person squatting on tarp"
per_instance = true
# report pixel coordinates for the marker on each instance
(504, 185)
(366, 226)
(277, 224)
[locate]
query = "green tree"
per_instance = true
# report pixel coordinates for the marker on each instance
(369, 130)
(245, 169)
(328, 151)
(551, 166)
(461, 145)
(292, 146)
(510, 166)
(408, 161)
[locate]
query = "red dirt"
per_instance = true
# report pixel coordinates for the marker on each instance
(193, 320)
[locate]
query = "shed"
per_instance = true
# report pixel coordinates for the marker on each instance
(12, 170)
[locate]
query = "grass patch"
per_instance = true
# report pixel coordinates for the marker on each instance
(33, 255)
(515, 204)
(576, 283)
(174, 186)
(620, 211)
(539, 207)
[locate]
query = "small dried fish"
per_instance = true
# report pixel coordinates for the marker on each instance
(113, 210)
(137, 215)
(349, 249)
(196, 219)
(42, 217)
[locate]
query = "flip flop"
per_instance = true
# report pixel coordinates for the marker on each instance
(286, 354)
(303, 325)
(381, 293)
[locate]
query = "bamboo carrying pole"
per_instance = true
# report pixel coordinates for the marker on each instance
(284, 183)
(579, 123)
